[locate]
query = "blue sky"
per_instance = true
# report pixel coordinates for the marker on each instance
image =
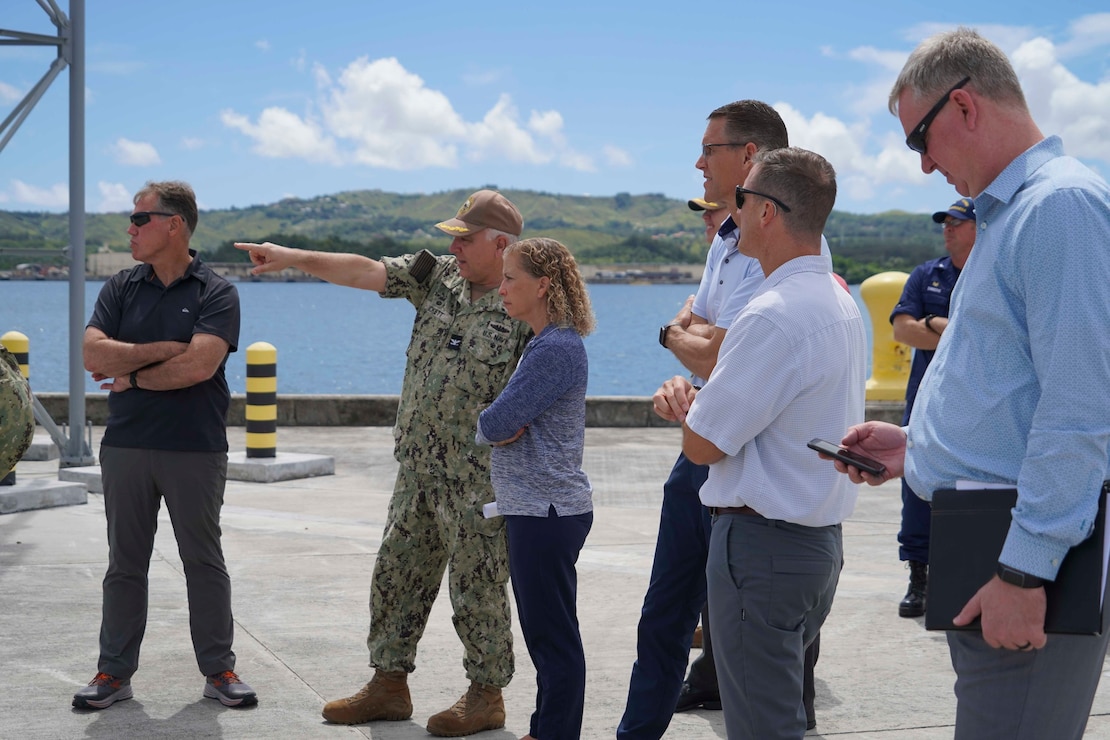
(253, 101)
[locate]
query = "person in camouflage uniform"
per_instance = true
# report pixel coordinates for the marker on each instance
(17, 417)
(462, 351)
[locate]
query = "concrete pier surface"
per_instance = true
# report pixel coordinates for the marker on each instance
(301, 552)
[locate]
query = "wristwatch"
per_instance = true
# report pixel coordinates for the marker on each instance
(135, 380)
(1018, 578)
(929, 326)
(663, 334)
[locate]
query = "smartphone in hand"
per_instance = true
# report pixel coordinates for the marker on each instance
(866, 464)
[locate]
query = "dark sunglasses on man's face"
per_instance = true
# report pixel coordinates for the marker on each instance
(740, 198)
(142, 218)
(916, 138)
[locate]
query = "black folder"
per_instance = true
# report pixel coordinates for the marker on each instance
(968, 531)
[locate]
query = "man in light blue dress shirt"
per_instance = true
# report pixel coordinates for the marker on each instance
(1016, 392)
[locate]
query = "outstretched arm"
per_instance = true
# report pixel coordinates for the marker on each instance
(340, 268)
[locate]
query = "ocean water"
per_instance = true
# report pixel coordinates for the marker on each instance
(339, 340)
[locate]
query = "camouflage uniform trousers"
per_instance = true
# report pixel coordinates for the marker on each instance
(436, 522)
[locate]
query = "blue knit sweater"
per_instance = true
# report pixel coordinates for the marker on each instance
(546, 394)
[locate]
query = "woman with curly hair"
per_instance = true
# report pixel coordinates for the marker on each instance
(537, 427)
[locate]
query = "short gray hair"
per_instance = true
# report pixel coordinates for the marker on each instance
(494, 233)
(940, 61)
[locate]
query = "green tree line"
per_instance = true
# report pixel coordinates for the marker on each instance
(624, 229)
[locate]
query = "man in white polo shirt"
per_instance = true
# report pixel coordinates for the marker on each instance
(791, 367)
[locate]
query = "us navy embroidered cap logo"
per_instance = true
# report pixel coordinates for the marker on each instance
(963, 209)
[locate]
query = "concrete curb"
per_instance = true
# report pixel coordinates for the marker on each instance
(380, 411)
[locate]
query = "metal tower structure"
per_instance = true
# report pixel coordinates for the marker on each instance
(70, 43)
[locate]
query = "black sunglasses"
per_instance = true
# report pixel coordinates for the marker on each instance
(740, 198)
(142, 218)
(916, 138)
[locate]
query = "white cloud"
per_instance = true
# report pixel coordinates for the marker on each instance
(1089, 33)
(869, 152)
(280, 134)
(9, 94)
(391, 118)
(549, 124)
(135, 153)
(499, 134)
(114, 197)
(891, 61)
(1063, 104)
(379, 114)
(55, 196)
(262, 45)
(859, 172)
(192, 143)
(617, 157)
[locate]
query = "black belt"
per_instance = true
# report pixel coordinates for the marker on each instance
(743, 510)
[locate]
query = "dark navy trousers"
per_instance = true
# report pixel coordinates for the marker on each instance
(674, 599)
(913, 538)
(542, 557)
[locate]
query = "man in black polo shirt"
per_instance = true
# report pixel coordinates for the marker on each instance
(159, 337)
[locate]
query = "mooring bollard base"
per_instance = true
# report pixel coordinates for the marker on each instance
(283, 466)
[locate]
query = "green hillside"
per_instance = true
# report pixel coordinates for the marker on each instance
(622, 229)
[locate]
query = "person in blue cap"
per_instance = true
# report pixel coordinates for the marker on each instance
(919, 319)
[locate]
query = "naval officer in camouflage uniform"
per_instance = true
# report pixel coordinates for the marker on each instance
(463, 349)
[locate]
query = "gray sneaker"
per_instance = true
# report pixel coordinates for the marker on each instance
(231, 691)
(102, 692)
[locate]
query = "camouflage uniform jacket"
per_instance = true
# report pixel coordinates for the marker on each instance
(17, 416)
(461, 354)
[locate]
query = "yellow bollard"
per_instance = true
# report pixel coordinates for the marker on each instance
(890, 360)
(261, 407)
(20, 346)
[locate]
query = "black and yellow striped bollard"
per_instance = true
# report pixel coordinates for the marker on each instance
(20, 346)
(261, 408)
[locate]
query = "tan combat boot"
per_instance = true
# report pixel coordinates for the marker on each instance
(480, 708)
(385, 697)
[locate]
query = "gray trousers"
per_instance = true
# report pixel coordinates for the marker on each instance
(771, 585)
(192, 484)
(1015, 695)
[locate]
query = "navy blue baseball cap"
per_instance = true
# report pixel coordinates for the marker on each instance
(962, 209)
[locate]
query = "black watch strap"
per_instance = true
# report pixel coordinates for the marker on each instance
(663, 334)
(1019, 578)
(928, 320)
(135, 379)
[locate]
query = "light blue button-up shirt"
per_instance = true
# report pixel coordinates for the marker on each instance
(1019, 389)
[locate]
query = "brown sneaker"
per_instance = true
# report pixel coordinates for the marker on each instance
(385, 697)
(480, 708)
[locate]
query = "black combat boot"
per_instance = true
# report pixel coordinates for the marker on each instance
(914, 603)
